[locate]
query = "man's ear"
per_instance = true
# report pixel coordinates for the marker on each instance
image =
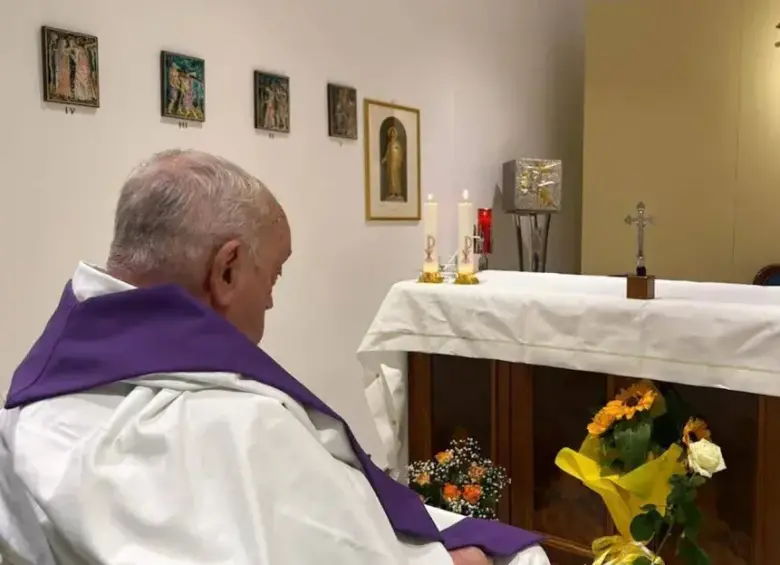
(223, 273)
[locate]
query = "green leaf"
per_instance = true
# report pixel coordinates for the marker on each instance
(642, 561)
(645, 526)
(641, 528)
(691, 519)
(682, 491)
(691, 553)
(632, 441)
(697, 481)
(659, 407)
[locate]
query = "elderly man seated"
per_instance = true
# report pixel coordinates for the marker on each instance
(145, 426)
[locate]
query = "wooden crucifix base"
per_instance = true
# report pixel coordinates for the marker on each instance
(640, 288)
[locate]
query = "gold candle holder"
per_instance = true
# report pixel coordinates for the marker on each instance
(431, 278)
(464, 278)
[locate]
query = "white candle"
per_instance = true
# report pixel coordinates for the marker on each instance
(465, 235)
(431, 235)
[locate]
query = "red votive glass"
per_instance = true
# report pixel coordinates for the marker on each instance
(485, 226)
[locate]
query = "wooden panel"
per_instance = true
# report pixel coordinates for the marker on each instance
(462, 401)
(420, 414)
(563, 402)
(767, 492)
(453, 397)
(501, 450)
(522, 459)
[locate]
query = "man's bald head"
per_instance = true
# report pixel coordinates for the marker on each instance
(182, 212)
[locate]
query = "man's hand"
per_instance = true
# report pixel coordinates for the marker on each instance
(470, 556)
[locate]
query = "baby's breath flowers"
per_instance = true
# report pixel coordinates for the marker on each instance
(460, 479)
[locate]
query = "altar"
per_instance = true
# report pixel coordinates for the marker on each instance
(521, 361)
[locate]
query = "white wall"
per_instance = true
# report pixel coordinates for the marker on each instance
(494, 79)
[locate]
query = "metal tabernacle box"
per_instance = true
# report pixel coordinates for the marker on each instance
(532, 186)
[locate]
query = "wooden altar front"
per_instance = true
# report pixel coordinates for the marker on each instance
(523, 415)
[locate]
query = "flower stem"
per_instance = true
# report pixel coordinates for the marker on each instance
(664, 539)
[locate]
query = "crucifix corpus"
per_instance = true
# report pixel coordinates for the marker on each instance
(641, 220)
(640, 285)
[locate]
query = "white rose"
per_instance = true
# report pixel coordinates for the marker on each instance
(705, 458)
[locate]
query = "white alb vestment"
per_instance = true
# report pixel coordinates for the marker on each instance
(185, 469)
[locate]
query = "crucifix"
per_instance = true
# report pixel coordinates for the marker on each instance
(641, 220)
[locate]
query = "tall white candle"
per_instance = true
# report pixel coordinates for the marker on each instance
(431, 235)
(466, 220)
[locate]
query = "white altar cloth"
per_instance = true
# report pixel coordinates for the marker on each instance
(705, 334)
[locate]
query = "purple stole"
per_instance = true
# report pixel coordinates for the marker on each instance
(129, 334)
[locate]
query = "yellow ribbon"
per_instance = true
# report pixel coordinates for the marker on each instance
(616, 550)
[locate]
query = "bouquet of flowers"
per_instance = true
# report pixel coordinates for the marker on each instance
(646, 458)
(460, 480)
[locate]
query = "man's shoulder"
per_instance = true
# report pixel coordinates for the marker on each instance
(219, 403)
(213, 385)
(108, 414)
(79, 414)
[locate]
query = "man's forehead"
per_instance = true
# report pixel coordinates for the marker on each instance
(281, 236)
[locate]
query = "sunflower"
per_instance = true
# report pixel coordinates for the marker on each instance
(614, 408)
(695, 430)
(601, 422)
(639, 397)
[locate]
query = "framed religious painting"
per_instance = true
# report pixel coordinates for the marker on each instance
(342, 112)
(70, 67)
(272, 102)
(183, 80)
(392, 161)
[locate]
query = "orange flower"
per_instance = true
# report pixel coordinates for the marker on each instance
(444, 457)
(476, 472)
(695, 430)
(471, 493)
(450, 492)
(601, 422)
(423, 479)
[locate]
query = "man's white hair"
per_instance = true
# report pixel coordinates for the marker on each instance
(175, 211)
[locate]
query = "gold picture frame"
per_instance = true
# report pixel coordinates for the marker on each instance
(392, 161)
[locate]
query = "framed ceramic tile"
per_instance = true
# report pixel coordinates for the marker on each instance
(183, 81)
(342, 111)
(70, 67)
(272, 102)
